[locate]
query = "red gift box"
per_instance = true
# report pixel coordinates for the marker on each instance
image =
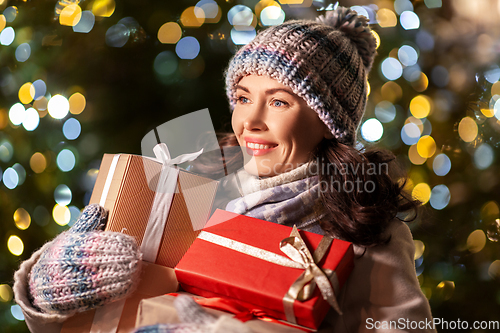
(210, 270)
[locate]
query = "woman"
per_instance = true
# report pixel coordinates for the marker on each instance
(298, 92)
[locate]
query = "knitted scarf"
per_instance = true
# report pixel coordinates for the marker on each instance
(289, 198)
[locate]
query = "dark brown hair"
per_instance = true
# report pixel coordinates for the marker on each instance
(362, 191)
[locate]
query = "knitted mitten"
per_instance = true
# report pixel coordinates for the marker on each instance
(196, 320)
(84, 267)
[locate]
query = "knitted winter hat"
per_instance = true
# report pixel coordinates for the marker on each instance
(83, 269)
(326, 62)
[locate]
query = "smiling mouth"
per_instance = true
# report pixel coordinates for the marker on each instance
(257, 149)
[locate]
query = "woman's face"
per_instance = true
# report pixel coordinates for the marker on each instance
(275, 128)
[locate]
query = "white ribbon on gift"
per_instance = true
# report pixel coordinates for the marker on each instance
(107, 318)
(165, 190)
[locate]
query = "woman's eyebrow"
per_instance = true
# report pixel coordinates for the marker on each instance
(269, 91)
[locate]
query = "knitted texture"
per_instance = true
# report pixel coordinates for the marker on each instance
(325, 62)
(84, 269)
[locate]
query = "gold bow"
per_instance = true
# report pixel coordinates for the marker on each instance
(295, 248)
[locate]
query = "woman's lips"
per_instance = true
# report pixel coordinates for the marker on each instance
(258, 149)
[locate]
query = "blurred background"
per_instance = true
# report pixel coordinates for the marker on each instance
(82, 78)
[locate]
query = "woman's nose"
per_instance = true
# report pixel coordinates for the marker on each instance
(255, 119)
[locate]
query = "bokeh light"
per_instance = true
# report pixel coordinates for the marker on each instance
(476, 241)
(86, 23)
(6, 293)
(402, 5)
(10, 178)
(391, 92)
(21, 173)
(385, 111)
(426, 146)
(433, 3)
(410, 133)
(272, 15)
(420, 106)
(15, 245)
(391, 69)
(72, 129)
(40, 89)
(22, 219)
(31, 119)
(407, 55)
(240, 15)
(445, 290)
(419, 248)
(493, 74)
(386, 18)
(16, 312)
(26, 93)
(17, 114)
(441, 165)
(211, 10)
(70, 15)
(483, 156)
(440, 197)
(66, 160)
(372, 130)
(361, 11)
(61, 214)
(6, 151)
(412, 73)
(75, 214)
(242, 37)
(169, 33)
(421, 192)
(493, 269)
(23, 52)
(187, 48)
(38, 162)
(77, 103)
(7, 36)
(192, 17)
(409, 20)
(165, 63)
(58, 106)
(63, 195)
(10, 13)
(3, 22)
(103, 8)
(117, 35)
(467, 129)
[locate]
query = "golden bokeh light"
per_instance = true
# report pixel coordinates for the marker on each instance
(61, 214)
(420, 106)
(77, 103)
(22, 218)
(192, 17)
(368, 88)
(488, 112)
(421, 84)
(391, 91)
(415, 157)
(103, 8)
(263, 4)
(169, 33)
(421, 192)
(4, 119)
(490, 210)
(26, 93)
(3, 22)
(377, 38)
(5, 293)
(41, 104)
(386, 18)
(70, 15)
(426, 146)
(445, 289)
(476, 241)
(38, 162)
(15, 245)
(494, 269)
(495, 88)
(467, 129)
(419, 248)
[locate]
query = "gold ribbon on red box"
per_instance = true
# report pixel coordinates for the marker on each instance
(299, 257)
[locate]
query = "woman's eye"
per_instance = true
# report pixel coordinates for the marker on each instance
(279, 103)
(242, 99)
